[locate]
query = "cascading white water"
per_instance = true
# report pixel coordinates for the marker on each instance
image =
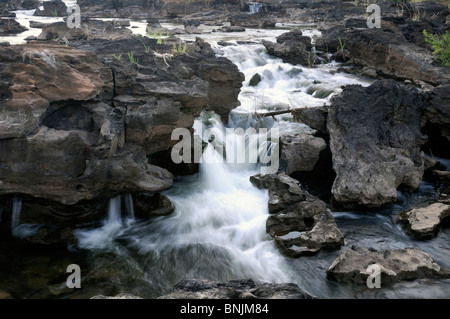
(16, 209)
(129, 206)
(104, 236)
(114, 211)
(218, 229)
(254, 7)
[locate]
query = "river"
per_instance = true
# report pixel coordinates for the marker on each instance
(217, 231)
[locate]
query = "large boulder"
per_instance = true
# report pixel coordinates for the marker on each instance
(53, 8)
(300, 223)
(314, 117)
(386, 50)
(292, 47)
(424, 222)
(395, 265)
(69, 144)
(30, 4)
(10, 26)
(234, 289)
(82, 123)
(147, 206)
(436, 120)
(300, 153)
(375, 143)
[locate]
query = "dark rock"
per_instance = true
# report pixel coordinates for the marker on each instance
(293, 47)
(52, 237)
(235, 289)
(256, 78)
(324, 234)
(146, 206)
(424, 222)
(46, 212)
(30, 4)
(396, 265)
(233, 28)
(299, 222)
(392, 50)
(375, 144)
(300, 152)
(74, 143)
(284, 191)
(119, 296)
(436, 120)
(38, 25)
(10, 26)
(443, 176)
(189, 29)
(53, 8)
(314, 117)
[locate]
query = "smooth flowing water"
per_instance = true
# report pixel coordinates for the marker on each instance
(217, 230)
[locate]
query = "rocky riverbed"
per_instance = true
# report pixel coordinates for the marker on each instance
(86, 174)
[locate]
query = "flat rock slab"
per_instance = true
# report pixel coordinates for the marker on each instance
(234, 289)
(119, 296)
(395, 265)
(424, 222)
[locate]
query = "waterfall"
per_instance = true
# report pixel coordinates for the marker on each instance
(114, 211)
(129, 206)
(16, 209)
(254, 7)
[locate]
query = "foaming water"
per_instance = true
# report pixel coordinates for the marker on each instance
(217, 232)
(284, 85)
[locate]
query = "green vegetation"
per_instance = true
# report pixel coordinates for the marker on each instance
(441, 46)
(146, 48)
(157, 35)
(118, 56)
(132, 58)
(180, 48)
(342, 45)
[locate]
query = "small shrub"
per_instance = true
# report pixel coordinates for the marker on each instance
(441, 46)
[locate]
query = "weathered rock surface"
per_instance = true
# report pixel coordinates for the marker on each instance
(49, 236)
(234, 28)
(436, 119)
(30, 4)
(78, 126)
(235, 289)
(396, 265)
(300, 223)
(146, 206)
(424, 222)
(53, 8)
(393, 50)
(375, 144)
(119, 296)
(292, 47)
(10, 26)
(47, 212)
(300, 152)
(255, 79)
(75, 147)
(314, 117)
